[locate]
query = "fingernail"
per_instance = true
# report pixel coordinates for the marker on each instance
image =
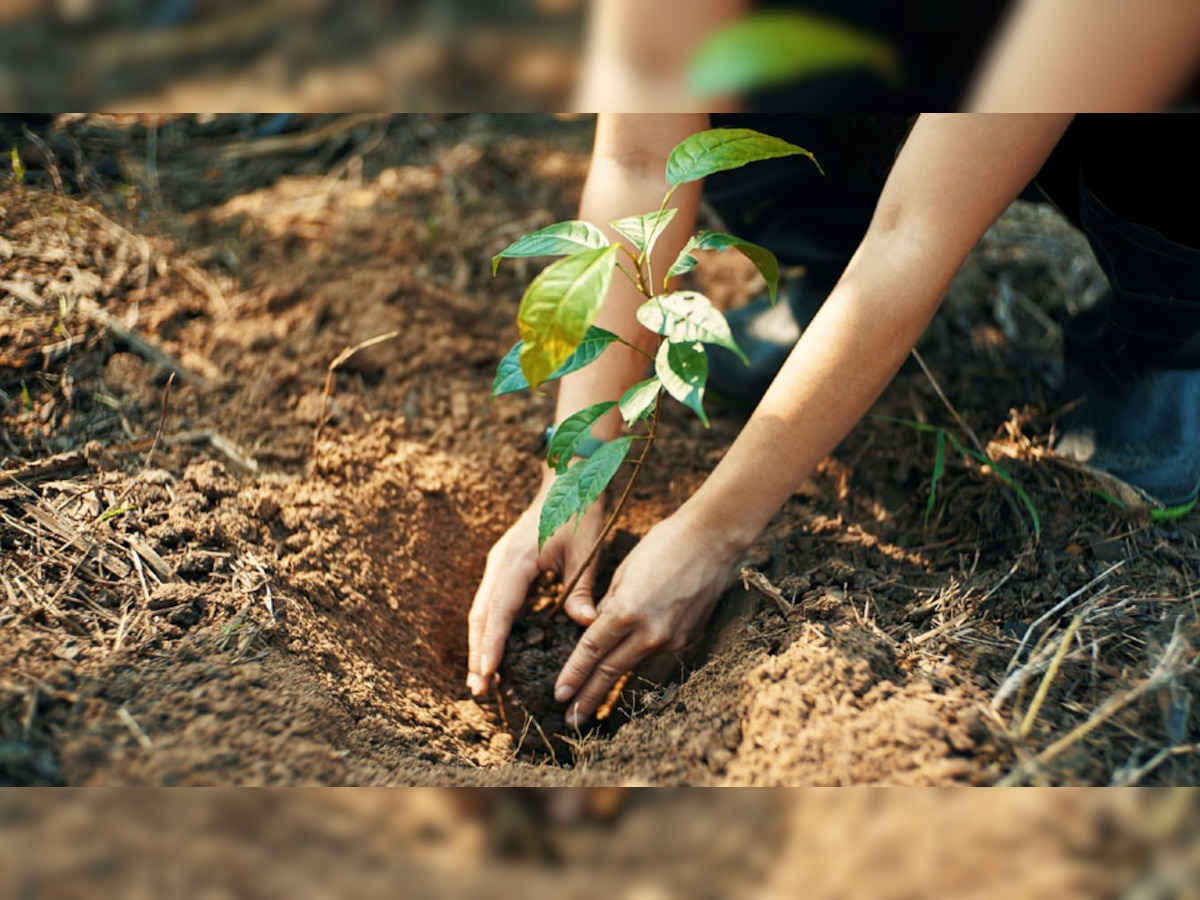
(563, 692)
(573, 719)
(474, 684)
(588, 611)
(485, 666)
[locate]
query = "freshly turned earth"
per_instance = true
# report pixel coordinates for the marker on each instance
(260, 602)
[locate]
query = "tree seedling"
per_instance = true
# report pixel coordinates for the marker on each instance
(557, 335)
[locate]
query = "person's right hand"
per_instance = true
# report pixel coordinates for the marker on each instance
(513, 564)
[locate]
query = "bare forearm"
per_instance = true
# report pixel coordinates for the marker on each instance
(1091, 55)
(637, 53)
(946, 189)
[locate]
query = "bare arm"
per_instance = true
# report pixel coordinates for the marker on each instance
(637, 52)
(956, 174)
(954, 177)
(1091, 55)
(626, 178)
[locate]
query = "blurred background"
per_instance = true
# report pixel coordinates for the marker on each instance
(303, 55)
(610, 842)
(481, 55)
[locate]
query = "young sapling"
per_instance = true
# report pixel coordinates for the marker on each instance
(557, 311)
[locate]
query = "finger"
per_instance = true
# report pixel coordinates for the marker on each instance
(606, 673)
(594, 645)
(508, 596)
(579, 604)
(477, 625)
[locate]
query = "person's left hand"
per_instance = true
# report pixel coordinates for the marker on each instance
(660, 600)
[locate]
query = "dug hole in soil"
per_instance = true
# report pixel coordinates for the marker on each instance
(199, 585)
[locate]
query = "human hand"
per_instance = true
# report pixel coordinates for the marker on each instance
(660, 600)
(513, 564)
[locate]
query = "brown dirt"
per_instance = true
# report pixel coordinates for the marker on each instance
(245, 604)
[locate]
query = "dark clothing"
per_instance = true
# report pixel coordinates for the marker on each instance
(1129, 182)
(938, 44)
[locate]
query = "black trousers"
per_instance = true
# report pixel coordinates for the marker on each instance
(1131, 183)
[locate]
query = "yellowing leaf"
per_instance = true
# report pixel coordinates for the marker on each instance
(559, 307)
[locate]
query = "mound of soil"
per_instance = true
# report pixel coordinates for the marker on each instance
(215, 570)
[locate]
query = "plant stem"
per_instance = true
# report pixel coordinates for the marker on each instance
(632, 280)
(645, 254)
(639, 283)
(612, 518)
(635, 348)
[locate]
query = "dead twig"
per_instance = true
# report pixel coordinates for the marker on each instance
(164, 406)
(143, 551)
(138, 732)
(1058, 608)
(327, 391)
(1171, 663)
(967, 430)
(752, 578)
(1131, 776)
(293, 143)
(143, 347)
(24, 293)
(1043, 690)
(48, 158)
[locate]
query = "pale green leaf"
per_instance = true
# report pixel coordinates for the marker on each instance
(510, 378)
(775, 47)
(559, 307)
(637, 402)
(686, 317)
(684, 262)
(580, 486)
(558, 239)
(573, 431)
(643, 231)
(720, 149)
(683, 369)
(764, 260)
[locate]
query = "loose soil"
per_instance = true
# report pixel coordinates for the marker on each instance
(229, 576)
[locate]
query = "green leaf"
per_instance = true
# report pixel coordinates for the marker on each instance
(113, 513)
(559, 307)
(510, 378)
(764, 260)
(943, 435)
(720, 149)
(687, 317)
(571, 432)
(683, 369)
(771, 48)
(637, 402)
(559, 239)
(580, 486)
(644, 230)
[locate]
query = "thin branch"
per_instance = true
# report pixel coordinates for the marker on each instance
(967, 430)
(632, 280)
(1173, 661)
(612, 519)
(327, 392)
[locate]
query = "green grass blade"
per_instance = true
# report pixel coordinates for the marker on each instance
(939, 466)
